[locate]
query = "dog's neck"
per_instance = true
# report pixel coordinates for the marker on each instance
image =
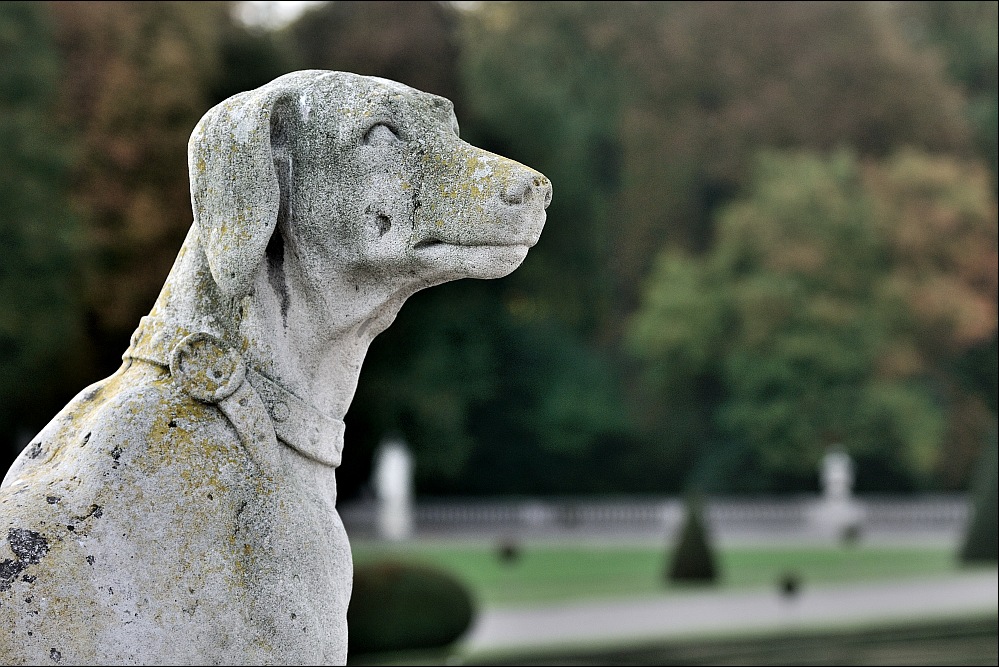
(310, 339)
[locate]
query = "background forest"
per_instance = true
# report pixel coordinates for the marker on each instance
(773, 230)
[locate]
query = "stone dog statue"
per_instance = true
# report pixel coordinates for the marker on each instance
(182, 510)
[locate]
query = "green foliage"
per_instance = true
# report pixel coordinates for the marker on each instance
(812, 309)
(40, 318)
(964, 36)
(543, 88)
(137, 78)
(702, 105)
(424, 375)
(647, 124)
(693, 559)
(489, 404)
(780, 302)
(415, 43)
(397, 606)
(981, 540)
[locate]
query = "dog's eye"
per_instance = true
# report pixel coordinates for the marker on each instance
(380, 133)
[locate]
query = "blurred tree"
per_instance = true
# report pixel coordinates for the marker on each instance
(490, 405)
(138, 76)
(40, 317)
(717, 81)
(422, 377)
(553, 424)
(133, 89)
(966, 37)
(941, 225)
(645, 122)
(828, 311)
(981, 538)
(645, 115)
(411, 42)
(249, 57)
(545, 88)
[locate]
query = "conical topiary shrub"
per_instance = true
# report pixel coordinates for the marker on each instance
(981, 541)
(398, 606)
(693, 558)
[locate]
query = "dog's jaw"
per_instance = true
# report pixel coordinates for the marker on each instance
(472, 261)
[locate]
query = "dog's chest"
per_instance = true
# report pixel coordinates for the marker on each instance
(191, 556)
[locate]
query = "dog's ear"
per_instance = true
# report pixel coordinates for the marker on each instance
(235, 192)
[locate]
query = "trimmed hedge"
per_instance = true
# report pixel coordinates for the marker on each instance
(398, 606)
(981, 540)
(693, 559)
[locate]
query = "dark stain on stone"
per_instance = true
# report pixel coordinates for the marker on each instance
(90, 560)
(55, 654)
(34, 450)
(173, 423)
(28, 578)
(275, 263)
(239, 514)
(96, 511)
(52, 500)
(116, 454)
(70, 527)
(9, 569)
(384, 224)
(27, 545)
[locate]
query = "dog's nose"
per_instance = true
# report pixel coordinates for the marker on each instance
(528, 187)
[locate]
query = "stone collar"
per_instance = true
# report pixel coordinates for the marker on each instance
(209, 370)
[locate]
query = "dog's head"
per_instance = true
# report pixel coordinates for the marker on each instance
(372, 176)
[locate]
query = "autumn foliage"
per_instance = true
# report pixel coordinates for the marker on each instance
(774, 227)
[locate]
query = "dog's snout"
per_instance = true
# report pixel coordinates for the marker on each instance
(528, 187)
(545, 188)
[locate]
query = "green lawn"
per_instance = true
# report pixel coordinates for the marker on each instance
(549, 573)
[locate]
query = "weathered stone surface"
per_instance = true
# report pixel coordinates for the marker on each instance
(183, 509)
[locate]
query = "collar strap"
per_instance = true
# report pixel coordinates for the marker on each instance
(210, 370)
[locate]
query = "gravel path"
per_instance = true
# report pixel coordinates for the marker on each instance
(730, 613)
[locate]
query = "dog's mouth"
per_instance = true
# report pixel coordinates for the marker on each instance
(428, 243)
(433, 242)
